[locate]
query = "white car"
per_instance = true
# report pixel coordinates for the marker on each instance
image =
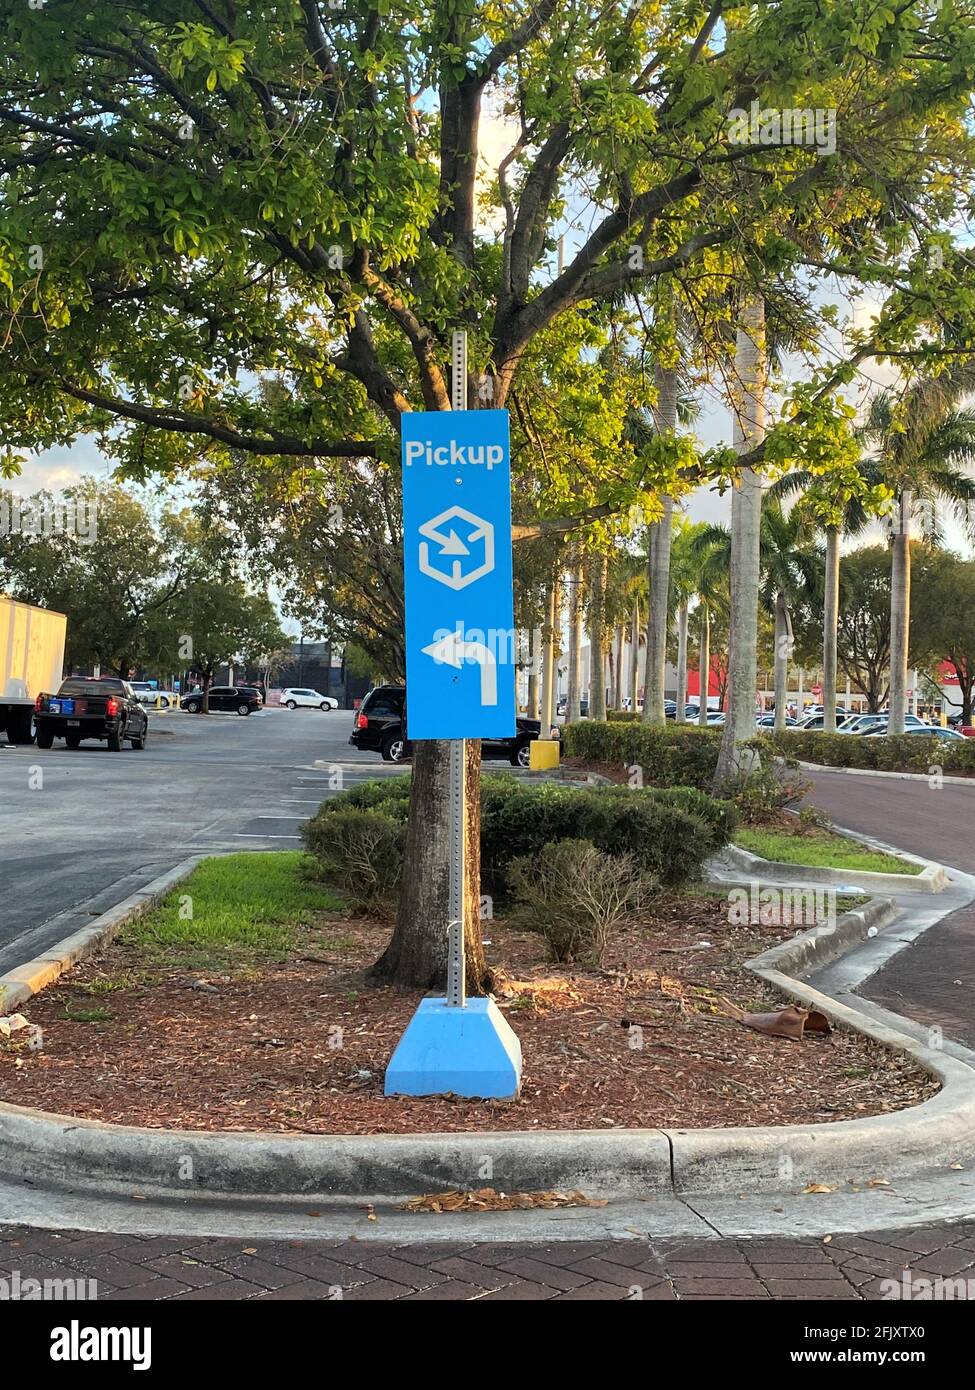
(148, 694)
(307, 699)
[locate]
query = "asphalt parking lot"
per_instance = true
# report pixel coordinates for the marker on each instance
(81, 830)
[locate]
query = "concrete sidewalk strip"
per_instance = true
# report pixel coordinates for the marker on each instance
(877, 772)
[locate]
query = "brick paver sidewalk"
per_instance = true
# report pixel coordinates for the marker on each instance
(180, 1268)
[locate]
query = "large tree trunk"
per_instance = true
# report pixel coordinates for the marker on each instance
(658, 572)
(900, 613)
(597, 637)
(748, 406)
(783, 647)
(682, 615)
(572, 711)
(831, 618)
(704, 677)
(417, 953)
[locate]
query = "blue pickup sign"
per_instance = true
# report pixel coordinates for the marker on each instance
(460, 638)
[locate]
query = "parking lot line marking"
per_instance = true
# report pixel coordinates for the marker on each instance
(241, 835)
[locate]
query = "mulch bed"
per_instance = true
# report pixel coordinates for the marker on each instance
(258, 1049)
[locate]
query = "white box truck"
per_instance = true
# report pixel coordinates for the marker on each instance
(31, 662)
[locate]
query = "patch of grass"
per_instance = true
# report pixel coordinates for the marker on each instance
(110, 984)
(87, 1015)
(821, 849)
(849, 902)
(234, 903)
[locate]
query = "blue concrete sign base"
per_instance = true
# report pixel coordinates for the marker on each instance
(470, 1051)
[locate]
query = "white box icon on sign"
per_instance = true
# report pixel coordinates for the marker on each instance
(457, 552)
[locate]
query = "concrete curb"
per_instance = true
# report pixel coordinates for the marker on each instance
(89, 1156)
(932, 879)
(17, 986)
(875, 772)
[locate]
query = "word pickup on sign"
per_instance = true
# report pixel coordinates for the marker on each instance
(460, 637)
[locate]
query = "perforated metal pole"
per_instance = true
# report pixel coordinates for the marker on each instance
(457, 773)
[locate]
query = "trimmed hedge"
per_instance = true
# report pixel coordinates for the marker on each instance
(669, 832)
(665, 840)
(907, 753)
(675, 755)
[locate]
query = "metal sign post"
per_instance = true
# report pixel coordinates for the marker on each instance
(457, 886)
(460, 672)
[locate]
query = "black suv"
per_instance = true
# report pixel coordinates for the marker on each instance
(379, 728)
(245, 699)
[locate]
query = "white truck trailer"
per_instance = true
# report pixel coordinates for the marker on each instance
(31, 662)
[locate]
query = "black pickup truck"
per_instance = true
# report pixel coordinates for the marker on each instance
(85, 708)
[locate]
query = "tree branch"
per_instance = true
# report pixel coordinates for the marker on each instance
(183, 422)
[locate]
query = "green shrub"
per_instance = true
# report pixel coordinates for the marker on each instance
(767, 789)
(576, 895)
(672, 755)
(359, 852)
(669, 832)
(719, 815)
(390, 795)
(907, 753)
(667, 841)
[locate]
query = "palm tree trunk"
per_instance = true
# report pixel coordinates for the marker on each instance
(547, 715)
(746, 516)
(831, 618)
(783, 643)
(704, 677)
(679, 714)
(572, 711)
(533, 670)
(900, 613)
(618, 667)
(597, 638)
(665, 420)
(635, 658)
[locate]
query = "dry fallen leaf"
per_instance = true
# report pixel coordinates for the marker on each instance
(818, 1187)
(486, 1199)
(878, 1182)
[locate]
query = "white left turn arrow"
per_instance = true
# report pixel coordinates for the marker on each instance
(453, 650)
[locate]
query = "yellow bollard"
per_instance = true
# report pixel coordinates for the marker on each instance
(544, 754)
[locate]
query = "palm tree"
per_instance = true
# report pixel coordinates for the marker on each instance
(828, 507)
(625, 598)
(748, 413)
(685, 586)
(788, 569)
(598, 575)
(918, 441)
